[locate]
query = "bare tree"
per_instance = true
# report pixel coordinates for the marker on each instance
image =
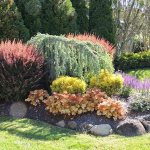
(146, 27)
(128, 15)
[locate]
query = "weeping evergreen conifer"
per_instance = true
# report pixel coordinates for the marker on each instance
(71, 57)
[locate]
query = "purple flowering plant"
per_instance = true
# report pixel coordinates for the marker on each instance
(137, 91)
(136, 84)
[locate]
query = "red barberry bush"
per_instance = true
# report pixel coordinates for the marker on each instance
(20, 69)
(108, 47)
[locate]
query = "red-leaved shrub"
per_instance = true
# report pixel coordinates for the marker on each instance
(95, 40)
(20, 69)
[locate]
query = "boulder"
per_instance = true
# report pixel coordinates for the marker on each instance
(18, 110)
(61, 123)
(72, 124)
(130, 127)
(146, 125)
(85, 127)
(101, 130)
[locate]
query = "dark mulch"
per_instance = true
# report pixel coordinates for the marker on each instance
(39, 113)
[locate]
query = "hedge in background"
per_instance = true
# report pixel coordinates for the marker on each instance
(11, 22)
(129, 61)
(71, 57)
(21, 66)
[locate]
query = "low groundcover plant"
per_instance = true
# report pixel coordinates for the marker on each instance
(75, 104)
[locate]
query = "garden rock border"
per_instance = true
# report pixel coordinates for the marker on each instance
(61, 124)
(85, 127)
(85, 122)
(146, 125)
(72, 125)
(130, 127)
(18, 110)
(101, 130)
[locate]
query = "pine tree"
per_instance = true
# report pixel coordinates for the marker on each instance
(82, 15)
(58, 17)
(31, 13)
(101, 19)
(11, 22)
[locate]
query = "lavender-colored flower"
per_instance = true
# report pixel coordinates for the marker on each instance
(133, 82)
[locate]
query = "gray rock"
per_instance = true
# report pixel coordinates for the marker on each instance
(130, 127)
(101, 130)
(85, 127)
(18, 110)
(72, 124)
(146, 125)
(61, 123)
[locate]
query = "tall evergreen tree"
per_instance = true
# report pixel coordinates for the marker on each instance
(58, 17)
(31, 13)
(82, 14)
(101, 19)
(11, 22)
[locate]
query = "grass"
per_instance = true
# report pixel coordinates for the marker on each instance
(140, 73)
(26, 134)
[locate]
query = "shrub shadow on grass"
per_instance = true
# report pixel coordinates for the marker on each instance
(35, 130)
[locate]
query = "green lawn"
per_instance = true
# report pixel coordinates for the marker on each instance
(140, 73)
(26, 134)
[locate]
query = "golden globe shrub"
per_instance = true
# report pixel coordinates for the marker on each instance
(68, 84)
(107, 82)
